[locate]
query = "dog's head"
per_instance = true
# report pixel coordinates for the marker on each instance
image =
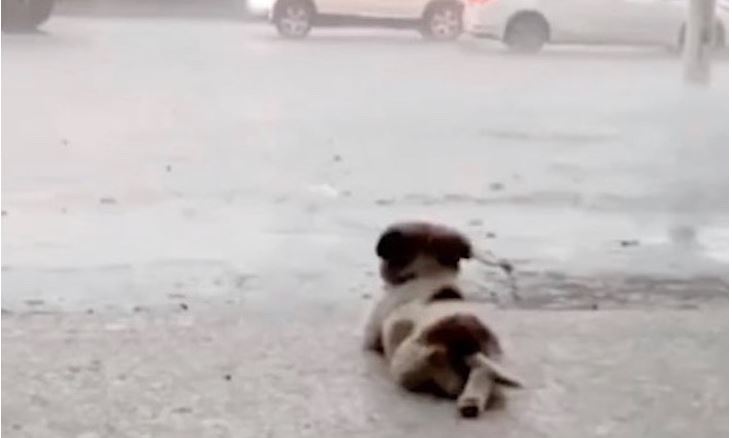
(413, 249)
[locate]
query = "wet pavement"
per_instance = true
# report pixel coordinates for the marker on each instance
(190, 210)
(140, 153)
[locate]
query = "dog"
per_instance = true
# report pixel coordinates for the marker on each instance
(423, 324)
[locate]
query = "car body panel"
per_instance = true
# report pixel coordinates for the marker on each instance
(657, 22)
(341, 11)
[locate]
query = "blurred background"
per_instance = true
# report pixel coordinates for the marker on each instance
(231, 9)
(192, 191)
(159, 145)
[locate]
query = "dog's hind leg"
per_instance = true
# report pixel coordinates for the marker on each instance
(410, 364)
(478, 388)
(448, 379)
(419, 367)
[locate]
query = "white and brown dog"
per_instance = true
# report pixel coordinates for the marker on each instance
(429, 334)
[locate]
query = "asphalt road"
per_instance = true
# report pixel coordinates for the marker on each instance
(150, 158)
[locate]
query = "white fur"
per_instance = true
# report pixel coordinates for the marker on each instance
(396, 324)
(395, 297)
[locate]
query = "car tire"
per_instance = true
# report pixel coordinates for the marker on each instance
(526, 33)
(442, 21)
(293, 18)
(25, 15)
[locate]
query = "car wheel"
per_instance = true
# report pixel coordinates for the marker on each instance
(293, 18)
(25, 15)
(527, 33)
(442, 22)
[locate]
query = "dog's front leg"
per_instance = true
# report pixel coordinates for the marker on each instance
(372, 331)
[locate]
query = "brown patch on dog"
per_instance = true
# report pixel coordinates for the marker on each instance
(446, 293)
(461, 334)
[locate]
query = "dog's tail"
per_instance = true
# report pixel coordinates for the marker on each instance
(500, 374)
(469, 343)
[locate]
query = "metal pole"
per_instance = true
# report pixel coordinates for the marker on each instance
(698, 39)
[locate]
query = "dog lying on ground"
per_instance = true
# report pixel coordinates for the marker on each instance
(423, 325)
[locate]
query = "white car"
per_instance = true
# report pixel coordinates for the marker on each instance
(434, 19)
(526, 25)
(258, 8)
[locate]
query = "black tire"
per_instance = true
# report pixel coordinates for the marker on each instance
(526, 33)
(293, 18)
(442, 21)
(25, 15)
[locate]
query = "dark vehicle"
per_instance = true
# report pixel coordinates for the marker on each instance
(25, 15)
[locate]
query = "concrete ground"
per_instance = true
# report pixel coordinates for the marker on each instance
(238, 372)
(154, 166)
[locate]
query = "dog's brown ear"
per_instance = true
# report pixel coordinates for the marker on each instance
(397, 247)
(449, 246)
